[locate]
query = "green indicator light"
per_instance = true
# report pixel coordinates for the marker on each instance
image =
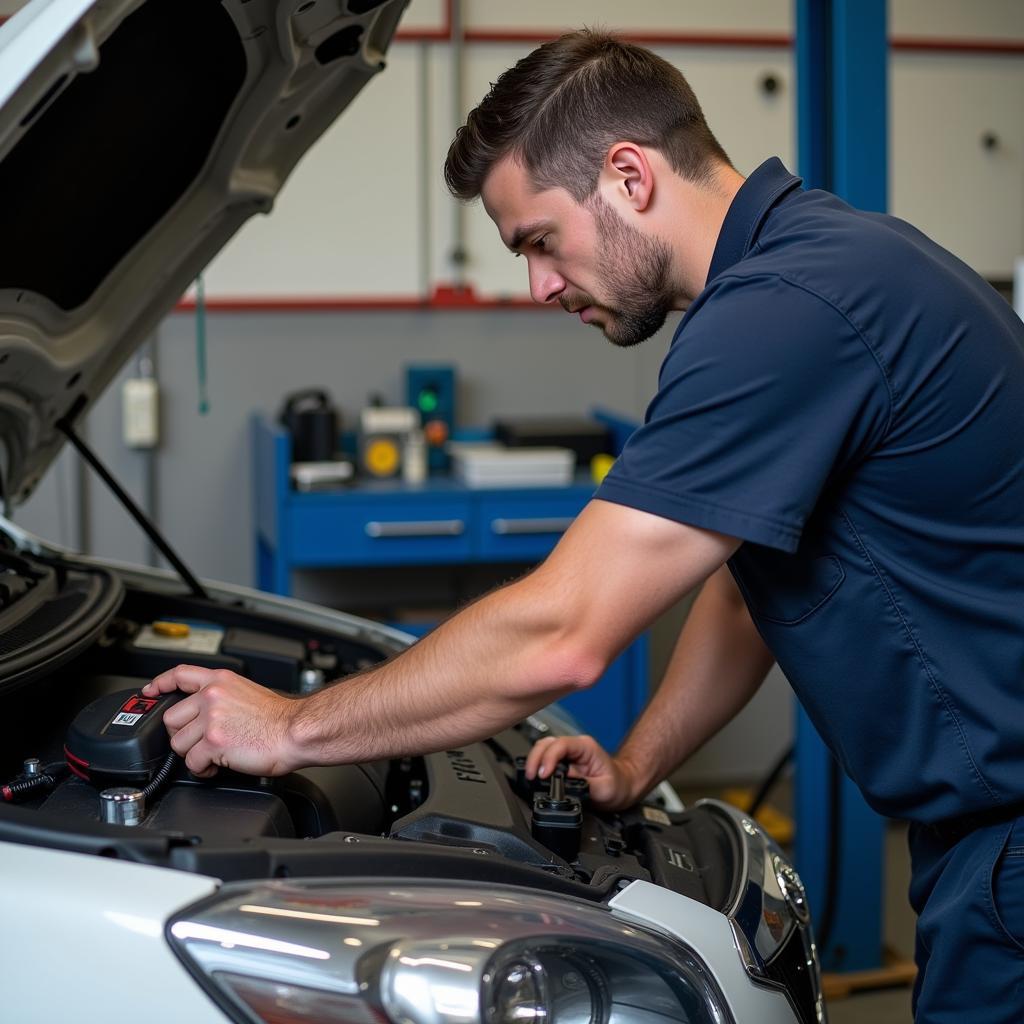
(428, 400)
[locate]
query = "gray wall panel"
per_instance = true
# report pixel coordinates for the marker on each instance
(508, 362)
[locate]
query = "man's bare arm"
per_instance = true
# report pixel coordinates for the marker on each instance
(718, 663)
(539, 638)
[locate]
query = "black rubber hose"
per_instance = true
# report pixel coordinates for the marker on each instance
(770, 779)
(28, 786)
(160, 779)
(828, 913)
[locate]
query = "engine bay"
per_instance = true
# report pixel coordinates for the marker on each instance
(74, 728)
(86, 767)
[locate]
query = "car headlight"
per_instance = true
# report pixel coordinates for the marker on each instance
(428, 954)
(770, 918)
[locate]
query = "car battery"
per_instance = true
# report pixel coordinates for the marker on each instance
(273, 661)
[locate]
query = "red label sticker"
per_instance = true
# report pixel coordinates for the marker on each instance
(138, 705)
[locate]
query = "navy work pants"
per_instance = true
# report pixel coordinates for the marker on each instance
(969, 897)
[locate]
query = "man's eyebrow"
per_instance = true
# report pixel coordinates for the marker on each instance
(521, 233)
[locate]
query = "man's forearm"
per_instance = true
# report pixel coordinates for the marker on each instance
(432, 697)
(517, 649)
(718, 663)
(615, 570)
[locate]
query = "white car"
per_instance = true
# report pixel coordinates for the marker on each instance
(443, 889)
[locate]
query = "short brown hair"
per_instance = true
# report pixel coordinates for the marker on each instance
(561, 108)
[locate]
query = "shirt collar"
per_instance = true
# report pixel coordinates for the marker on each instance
(757, 195)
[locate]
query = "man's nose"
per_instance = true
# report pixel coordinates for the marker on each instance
(545, 284)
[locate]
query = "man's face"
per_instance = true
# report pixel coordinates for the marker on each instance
(585, 257)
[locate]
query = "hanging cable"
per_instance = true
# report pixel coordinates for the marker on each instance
(204, 397)
(828, 914)
(773, 776)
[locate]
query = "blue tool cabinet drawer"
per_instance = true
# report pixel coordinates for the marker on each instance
(524, 528)
(351, 532)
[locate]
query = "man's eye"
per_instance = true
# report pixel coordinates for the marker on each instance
(539, 244)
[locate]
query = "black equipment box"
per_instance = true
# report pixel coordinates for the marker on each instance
(586, 438)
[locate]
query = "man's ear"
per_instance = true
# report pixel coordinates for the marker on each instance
(627, 175)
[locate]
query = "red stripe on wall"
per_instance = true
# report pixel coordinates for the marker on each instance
(993, 46)
(443, 298)
(636, 36)
(714, 39)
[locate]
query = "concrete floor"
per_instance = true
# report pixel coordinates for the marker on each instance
(891, 1006)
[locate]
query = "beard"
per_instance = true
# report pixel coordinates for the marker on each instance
(636, 279)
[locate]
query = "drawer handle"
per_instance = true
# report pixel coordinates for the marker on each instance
(510, 527)
(430, 528)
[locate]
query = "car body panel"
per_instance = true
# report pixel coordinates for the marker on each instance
(709, 932)
(81, 930)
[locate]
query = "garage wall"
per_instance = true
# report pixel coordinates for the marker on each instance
(956, 141)
(365, 214)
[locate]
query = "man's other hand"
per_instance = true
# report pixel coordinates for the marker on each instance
(612, 783)
(226, 722)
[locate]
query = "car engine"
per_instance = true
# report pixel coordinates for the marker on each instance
(86, 766)
(74, 721)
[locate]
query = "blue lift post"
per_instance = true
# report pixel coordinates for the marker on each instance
(842, 118)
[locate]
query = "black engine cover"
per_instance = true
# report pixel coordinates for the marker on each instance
(470, 804)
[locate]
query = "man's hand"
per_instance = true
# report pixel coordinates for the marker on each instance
(613, 784)
(227, 722)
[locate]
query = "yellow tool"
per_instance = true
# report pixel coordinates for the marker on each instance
(599, 466)
(381, 457)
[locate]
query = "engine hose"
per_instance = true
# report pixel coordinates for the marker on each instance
(25, 787)
(160, 779)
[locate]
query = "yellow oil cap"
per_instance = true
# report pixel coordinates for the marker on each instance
(172, 629)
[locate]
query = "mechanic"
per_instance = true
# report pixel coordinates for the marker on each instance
(835, 451)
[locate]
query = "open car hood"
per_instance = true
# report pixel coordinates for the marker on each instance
(136, 137)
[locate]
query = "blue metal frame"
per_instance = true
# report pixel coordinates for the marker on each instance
(842, 77)
(860, 62)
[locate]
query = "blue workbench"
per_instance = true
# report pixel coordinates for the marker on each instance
(380, 523)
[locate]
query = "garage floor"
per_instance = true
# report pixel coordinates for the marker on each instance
(891, 1006)
(887, 1006)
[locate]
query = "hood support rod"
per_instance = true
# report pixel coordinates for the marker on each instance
(64, 426)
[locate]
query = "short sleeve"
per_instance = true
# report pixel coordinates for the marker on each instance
(766, 395)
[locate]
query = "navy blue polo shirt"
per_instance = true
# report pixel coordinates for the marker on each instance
(847, 398)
